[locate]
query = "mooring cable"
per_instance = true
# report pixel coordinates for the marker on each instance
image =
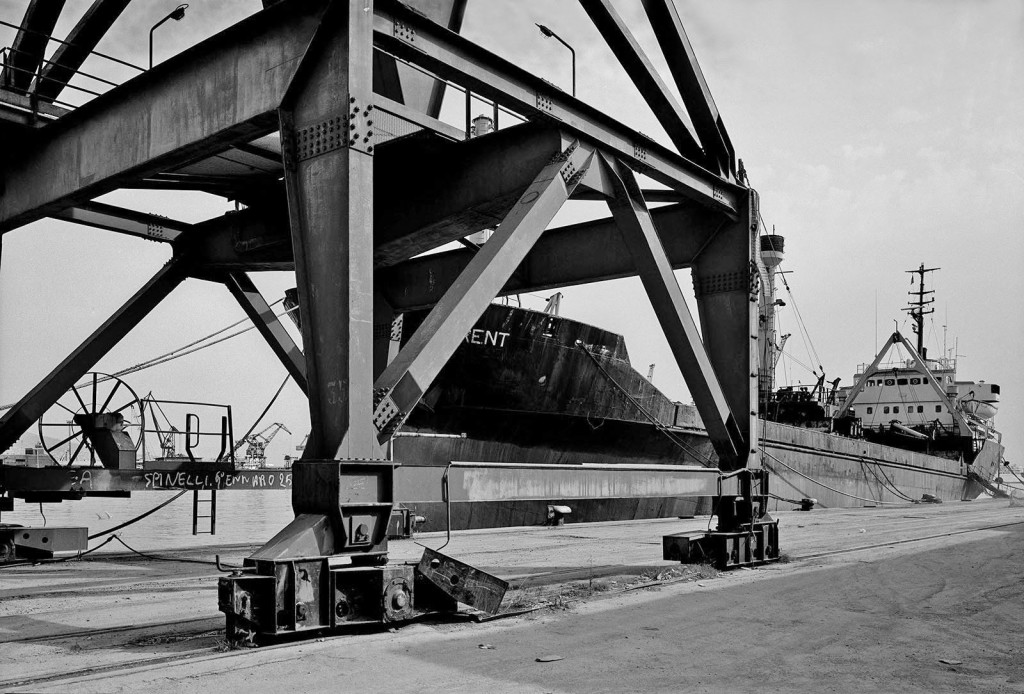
(822, 484)
(137, 518)
(658, 424)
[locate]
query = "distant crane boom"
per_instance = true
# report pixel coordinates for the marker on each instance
(255, 453)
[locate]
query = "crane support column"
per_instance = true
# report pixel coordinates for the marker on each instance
(725, 283)
(327, 134)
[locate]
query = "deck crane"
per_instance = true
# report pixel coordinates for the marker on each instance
(255, 454)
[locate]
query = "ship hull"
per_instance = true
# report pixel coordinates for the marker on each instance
(528, 389)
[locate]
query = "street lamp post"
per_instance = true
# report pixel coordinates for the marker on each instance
(176, 14)
(552, 35)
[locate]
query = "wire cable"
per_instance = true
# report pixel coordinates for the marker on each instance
(822, 484)
(265, 410)
(177, 353)
(138, 517)
(658, 424)
(156, 557)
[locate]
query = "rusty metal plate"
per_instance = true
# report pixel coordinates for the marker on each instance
(462, 582)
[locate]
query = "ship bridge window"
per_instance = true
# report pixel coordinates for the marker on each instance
(901, 381)
(995, 389)
(920, 408)
(938, 408)
(885, 410)
(871, 383)
(890, 381)
(870, 410)
(896, 409)
(915, 381)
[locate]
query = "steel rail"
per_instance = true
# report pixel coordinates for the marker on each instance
(103, 631)
(893, 543)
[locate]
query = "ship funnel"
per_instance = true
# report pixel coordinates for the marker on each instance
(772, 250)
(482, 125)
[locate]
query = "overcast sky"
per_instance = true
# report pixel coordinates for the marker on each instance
(880, 135)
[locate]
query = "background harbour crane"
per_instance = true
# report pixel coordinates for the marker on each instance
(255, 454)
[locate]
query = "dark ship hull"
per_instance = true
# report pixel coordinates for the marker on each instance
(533, 405)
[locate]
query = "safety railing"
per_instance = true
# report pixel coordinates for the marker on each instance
(188, 442)
(471, 103)
(40, 74)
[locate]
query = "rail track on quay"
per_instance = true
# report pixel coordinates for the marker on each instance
(108, 650)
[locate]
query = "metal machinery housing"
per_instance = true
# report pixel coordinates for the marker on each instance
(340, 102)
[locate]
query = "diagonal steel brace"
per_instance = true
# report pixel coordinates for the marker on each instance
(652, 264)
(404, 381)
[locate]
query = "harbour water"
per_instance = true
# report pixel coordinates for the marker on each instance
(243, 517)
(249, 517)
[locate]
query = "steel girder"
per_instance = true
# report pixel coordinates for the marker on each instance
(419, 91)
(327, 135)
(652, 264)
(70, 55)
(256, 240)
(269, 326)
(26, 53)
(693, 89)
(230, 85)
(124, 221)
(405, 379)
(439, 192)
(726, 286)
(639, 68)
(235, 81)
(409, 36)
(562, 257)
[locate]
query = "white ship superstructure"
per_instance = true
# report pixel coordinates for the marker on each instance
(903, 394)
(918, 398)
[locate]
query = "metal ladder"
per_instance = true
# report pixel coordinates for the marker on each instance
(211, 503)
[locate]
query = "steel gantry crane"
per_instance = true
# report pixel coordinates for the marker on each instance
(256, 453)
(339, 101)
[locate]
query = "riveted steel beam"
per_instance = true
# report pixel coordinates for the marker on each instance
(693, 89)
(19, 418)
(411, 37)
(639, 68)
(269, 326)
(232, 84)
(444, 191)
(562, 257)
(405, 379)
(420, 91)
(652, 264)
(726, 286)
(26, 53)
(326, 123)
(112, 218)
(70, 55)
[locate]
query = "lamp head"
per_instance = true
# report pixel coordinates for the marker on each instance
(544, 30)
(178, 12)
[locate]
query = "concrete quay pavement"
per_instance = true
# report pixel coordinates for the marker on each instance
(901, 598)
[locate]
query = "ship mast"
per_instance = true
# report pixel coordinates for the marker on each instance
(918, 304)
